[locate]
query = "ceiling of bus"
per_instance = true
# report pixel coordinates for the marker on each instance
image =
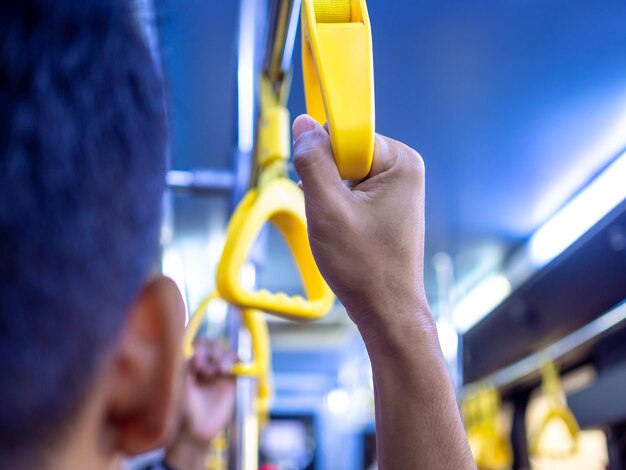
(513, 105)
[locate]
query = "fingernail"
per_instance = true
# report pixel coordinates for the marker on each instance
(303, 123)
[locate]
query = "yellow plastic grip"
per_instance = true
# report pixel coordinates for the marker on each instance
(557, 410)
(191, 330)
(259, 367)
(259, 334)
(488, 441)
(281, 203)
(339, 79)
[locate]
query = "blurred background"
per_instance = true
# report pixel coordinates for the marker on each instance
(519, 111)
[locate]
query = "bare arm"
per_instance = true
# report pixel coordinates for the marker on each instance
(418, 425)
(368, 241)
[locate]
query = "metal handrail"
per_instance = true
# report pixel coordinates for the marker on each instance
(283, 24)
(517, 372)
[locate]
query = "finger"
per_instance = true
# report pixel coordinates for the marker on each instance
(385, 155)
(203, 366)
(206, 372)
(227, 363)
(313, 160)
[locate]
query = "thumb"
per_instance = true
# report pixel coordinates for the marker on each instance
(314, 162)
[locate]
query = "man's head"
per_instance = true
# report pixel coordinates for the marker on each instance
(82, 163)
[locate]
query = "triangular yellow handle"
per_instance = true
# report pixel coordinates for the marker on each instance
(490, 448)
(557, 411)
(281, 203)
(339, 79)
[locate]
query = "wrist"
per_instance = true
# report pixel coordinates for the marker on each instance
(396, 322)
(406, 353)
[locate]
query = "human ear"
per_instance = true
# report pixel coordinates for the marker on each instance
(145, 372)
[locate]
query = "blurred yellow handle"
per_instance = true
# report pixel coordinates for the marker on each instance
(259, 367)
(557, 411)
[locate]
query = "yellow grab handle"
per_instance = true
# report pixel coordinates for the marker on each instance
(255, 324)
(191, 330)
(339, 79)
(259, 334)
(259, 368)
(488, 442)
(281, 203)
(557, 411)
(490, 448)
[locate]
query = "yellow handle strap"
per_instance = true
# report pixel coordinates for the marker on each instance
(339, 79)
(273, 146)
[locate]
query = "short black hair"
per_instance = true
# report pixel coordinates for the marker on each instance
(83, 143)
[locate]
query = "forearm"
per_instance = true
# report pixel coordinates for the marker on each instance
(418, 425)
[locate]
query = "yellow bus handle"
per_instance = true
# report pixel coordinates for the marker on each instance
(281, 203)
(338, 75)
(259, 367)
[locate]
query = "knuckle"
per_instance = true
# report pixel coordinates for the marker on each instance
(307, 150)
(412, 163)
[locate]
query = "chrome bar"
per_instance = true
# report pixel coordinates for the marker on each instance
(283, 25)
(201, 180)
(588, 334)
(243, 429)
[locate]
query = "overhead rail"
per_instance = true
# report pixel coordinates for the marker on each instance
(576, 288)
(530, 366)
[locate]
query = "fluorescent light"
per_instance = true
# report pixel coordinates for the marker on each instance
(581, 213)
(480, 301)
(245, 75)
(449, 340)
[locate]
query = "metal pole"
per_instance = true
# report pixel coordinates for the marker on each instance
(243, 431)
(280, 34)
(281, 39)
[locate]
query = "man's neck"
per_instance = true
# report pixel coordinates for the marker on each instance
(90, 444)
